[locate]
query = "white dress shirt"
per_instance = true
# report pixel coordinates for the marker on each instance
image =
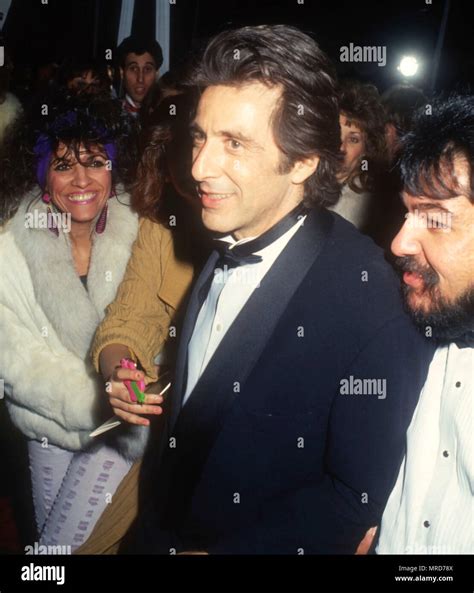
(228, 294)
(430, 510)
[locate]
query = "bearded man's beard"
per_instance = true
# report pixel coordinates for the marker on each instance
(448, 320)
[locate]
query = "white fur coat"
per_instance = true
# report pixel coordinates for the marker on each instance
(47, 324)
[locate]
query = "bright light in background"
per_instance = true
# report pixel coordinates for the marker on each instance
(408, 66)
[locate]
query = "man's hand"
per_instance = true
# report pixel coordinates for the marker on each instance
(365, 544)
(121, 403)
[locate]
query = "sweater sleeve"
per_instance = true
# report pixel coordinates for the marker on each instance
(153, 288)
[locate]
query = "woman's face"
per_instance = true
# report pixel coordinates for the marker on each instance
(80, 188)
(353, 141)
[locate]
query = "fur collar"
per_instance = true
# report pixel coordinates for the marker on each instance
(74, 312)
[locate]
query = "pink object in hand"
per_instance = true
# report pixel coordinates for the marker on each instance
(126, 363)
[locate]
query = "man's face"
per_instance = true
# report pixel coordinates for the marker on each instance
(352, 146)
(435, 249)
(236, 161)
(139, 75)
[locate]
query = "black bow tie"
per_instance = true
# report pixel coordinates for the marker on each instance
(245, 253)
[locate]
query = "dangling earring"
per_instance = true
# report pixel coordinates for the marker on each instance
(102, 221)
(51, 224)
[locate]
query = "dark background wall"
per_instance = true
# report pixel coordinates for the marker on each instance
(37, 33)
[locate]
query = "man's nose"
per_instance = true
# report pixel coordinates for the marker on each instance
(406, 242)
(140, 76)
(205, 162)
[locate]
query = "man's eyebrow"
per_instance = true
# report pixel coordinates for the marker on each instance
(135, 63)
(194, 127)
(431, 206)
(237, 135)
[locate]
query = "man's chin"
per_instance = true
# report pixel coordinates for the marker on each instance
(215, 222)
(137, 99)
(418, 302)
(436, 317)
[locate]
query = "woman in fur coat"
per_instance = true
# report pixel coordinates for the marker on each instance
(66, 238)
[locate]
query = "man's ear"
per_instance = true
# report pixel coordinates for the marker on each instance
(121, 73)
(303, 169)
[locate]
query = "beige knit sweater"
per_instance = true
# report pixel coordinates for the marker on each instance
(152, 290)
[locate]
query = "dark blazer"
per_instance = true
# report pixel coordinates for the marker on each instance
(269, 454)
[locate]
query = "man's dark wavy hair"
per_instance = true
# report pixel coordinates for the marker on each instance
(306, 121)
(140, 46)
(74, 121)
(437, 138)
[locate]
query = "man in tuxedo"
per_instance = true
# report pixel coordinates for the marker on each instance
(298, 370)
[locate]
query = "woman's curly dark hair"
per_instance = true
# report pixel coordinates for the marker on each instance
(74, 121)
(362, 103)
(165, 157)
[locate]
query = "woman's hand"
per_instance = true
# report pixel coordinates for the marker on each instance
(121, 403)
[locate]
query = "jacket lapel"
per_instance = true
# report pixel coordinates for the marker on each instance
(190, 319)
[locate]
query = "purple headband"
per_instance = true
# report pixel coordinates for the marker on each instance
(43, 149)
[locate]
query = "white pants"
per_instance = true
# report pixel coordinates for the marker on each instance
(71, 490)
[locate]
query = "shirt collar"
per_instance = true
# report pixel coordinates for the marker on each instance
(234, 242)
